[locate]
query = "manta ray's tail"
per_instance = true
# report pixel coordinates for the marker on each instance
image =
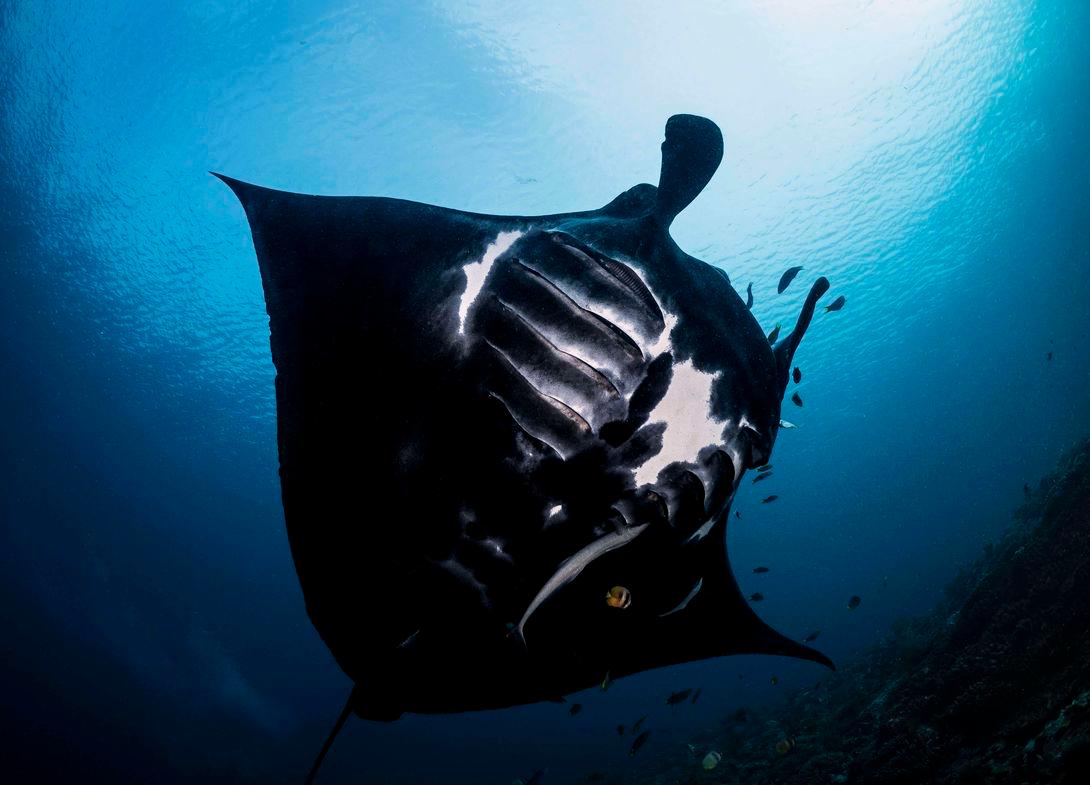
(337, 726)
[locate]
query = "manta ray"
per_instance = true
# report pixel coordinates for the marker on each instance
(509, 444)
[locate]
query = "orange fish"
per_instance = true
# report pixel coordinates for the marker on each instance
(619, 597)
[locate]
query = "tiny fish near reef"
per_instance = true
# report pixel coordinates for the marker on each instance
(486, 422)
(678, 697)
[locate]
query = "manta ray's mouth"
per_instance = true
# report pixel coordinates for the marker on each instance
(715, 508)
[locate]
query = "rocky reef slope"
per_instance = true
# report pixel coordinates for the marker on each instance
(994, 687)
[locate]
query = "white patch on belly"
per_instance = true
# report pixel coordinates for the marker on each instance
(690, 427)
(663, 343)
(476, 273)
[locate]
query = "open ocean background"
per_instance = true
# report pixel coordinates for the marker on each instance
(929, 157)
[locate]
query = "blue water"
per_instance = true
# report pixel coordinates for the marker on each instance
(930, 158)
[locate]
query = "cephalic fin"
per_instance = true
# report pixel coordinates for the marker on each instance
(785, 349)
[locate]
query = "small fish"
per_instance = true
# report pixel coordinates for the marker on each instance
(1025, 490)
(813, 636)
(1049, 356)
(638, 724)
(692, 748)
(711, 760)
(696, 695)
(756, 597)
(796, 375)
(619, 597)
(737, 513)
(836, 304)
(796, 399)
(784, 746)
(607, 682)
(853, 602)
(774, 680)
(788, 425)
(766, 468)
(620, 730)
(678, 697)
(769, 499)
(763, 476)
(761, 570)
(772, 336)
(787, 278)
(575, 709)
(749, 297)
(639, 742)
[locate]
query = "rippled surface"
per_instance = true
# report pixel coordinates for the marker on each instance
(929, 158)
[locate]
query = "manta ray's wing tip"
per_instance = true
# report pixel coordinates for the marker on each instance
(240, 188)
(766, 640)
(802, 652)
(789, 648)
(821, 659)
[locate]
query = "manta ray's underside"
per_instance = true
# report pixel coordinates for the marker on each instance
(487, 423)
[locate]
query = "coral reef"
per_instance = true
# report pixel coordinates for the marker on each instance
(993, 687)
